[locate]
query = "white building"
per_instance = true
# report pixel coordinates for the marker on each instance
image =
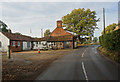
(4, 42)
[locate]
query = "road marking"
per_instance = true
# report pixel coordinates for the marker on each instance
(84, 71)
(82, 55)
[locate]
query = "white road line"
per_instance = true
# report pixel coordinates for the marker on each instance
(84, 71)
(82, 55)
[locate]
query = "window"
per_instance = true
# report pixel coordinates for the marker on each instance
(13, 43)
(39, 42)
(36, 44)
(28, 44)
(18, 43)
(54, 43)
(0, 44)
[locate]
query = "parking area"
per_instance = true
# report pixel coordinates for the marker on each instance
(28, 65)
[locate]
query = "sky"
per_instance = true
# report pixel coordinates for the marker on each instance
(25, 16)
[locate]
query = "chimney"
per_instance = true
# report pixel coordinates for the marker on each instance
(59, 24)
(9, 30)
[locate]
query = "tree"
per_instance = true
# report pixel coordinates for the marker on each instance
(90, 39)
(80, 21)
(4, 26)
(47, 32)
(95, 39)
(110, 28)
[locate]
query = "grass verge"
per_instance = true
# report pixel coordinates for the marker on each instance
(113, 55)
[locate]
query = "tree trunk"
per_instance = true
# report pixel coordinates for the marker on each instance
(78, 37)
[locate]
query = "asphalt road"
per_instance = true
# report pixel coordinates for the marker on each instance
(84, 63)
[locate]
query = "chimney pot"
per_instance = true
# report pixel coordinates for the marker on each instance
(9, 30)
(59, 23)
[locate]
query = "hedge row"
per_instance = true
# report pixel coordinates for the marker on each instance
(111, 41)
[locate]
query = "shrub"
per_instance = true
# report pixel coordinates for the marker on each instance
(111, 41)
(86, 42)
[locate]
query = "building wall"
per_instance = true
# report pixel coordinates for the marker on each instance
(4, 43)
(51, 44)
(70, 44)
(16, 47)
(40, 45)
(27, 45)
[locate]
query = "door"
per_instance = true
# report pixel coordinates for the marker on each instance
(21, 46)
(65, 44)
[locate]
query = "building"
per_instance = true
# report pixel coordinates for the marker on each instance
(40, 43)
(62, 38)
(117, 27)
(58, 39)
(15, 41)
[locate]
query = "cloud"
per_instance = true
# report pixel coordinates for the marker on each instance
(59, 1)
(22, 16)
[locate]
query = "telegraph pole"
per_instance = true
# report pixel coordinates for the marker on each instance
(41, 33)
(104, 19)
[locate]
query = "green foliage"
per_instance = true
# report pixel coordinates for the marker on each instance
(111, 41)
(90, 39)
(4, 26)
(95, 39)
(47, 32)
(4, 29)
(81, 21)
(86, 42)
(110, 28)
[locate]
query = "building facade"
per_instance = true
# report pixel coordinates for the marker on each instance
(58, 39)
(15, 41)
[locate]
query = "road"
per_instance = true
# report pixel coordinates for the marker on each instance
(84, 63)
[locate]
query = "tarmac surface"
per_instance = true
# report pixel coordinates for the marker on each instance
(84, 63)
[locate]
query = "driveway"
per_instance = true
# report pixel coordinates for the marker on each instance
(84, 63)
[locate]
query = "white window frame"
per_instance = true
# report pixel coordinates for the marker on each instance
(13, 43)
(28, 44)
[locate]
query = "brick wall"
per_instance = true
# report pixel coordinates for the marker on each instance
(16, 47)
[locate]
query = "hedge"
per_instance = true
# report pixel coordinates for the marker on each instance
(111, 41)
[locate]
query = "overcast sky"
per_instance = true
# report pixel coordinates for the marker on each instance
(23, 16)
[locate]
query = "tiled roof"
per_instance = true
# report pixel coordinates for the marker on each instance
(59, 32)
(41, 39)
(12, 36)
(55, 38)
(60, 38)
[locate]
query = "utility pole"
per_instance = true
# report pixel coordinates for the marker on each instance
(41, 33)
(104, 19)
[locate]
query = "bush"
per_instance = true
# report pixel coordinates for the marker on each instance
(86, 42)
(111, 41)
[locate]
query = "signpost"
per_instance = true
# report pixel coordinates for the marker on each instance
(8, 52)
